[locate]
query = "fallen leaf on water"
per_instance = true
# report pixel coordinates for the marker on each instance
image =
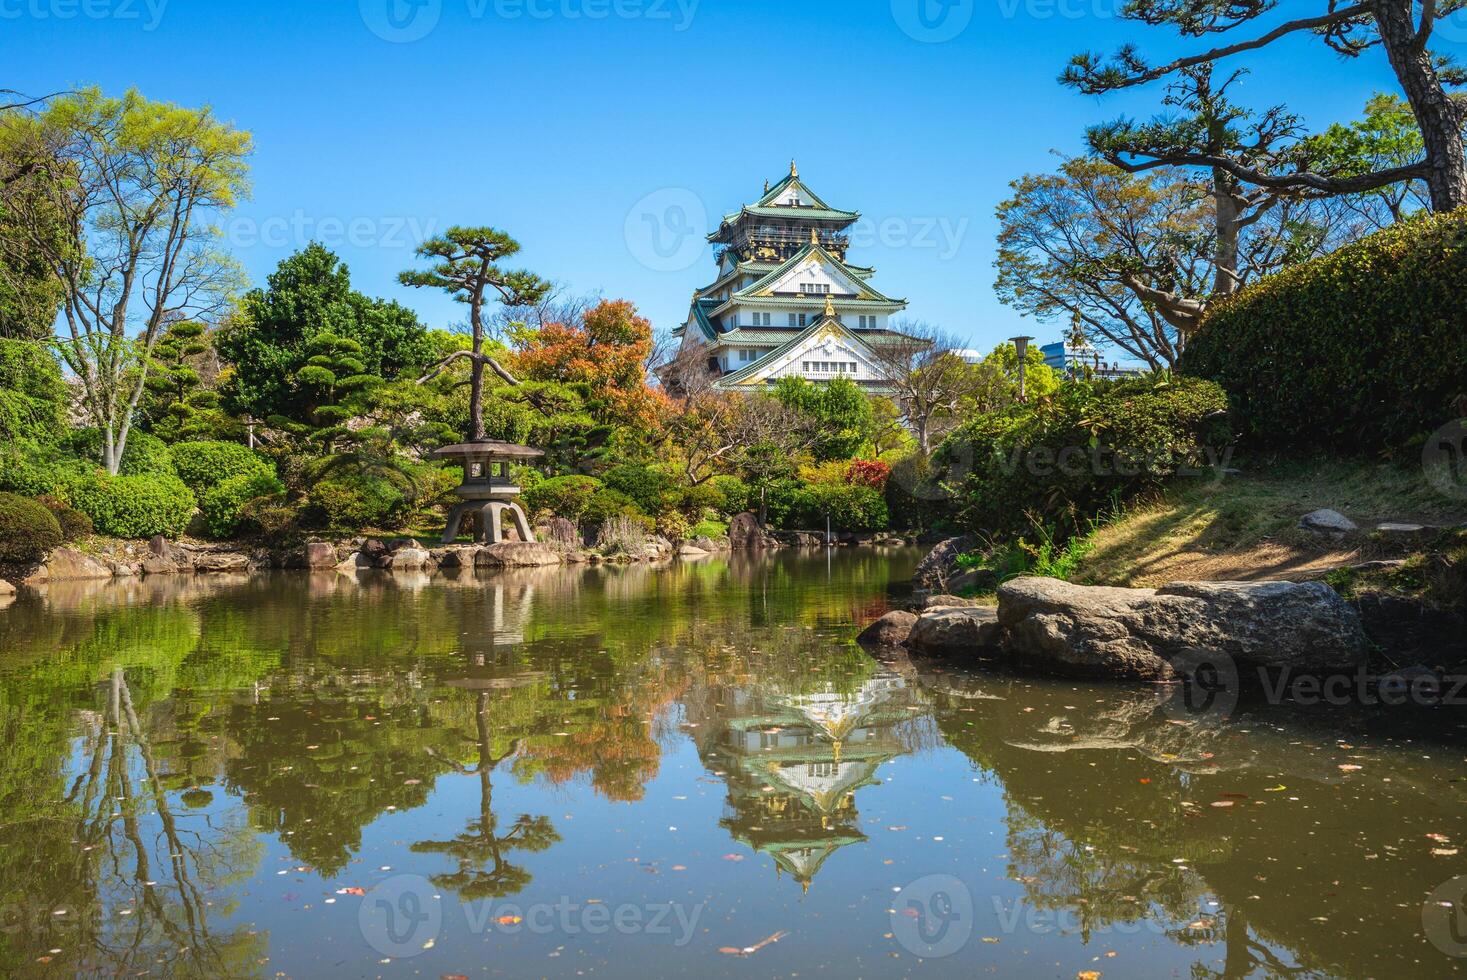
(1221, 803)
(509, 920)
(990, 939)
(1145, 782)
(1350, 767)
(1088, 975)
(1439, 838)
(1276, 789)
(1444, 852)
(454, 976)
(751, 950)
(733, 857)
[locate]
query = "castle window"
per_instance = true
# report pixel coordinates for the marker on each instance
(793, 321)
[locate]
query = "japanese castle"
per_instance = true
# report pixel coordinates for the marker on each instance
(785, 301)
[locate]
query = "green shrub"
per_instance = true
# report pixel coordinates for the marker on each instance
(563, 496)
(33, 397)
(607, 504)
(144, 454)
(223, 505)
(735, 494)
(356, 502)
(74, 524)
(27, 529)
(1068, 457)
(851, 508)
(650, 489)
(133, 506)
(709, 529)
(204, 465)
(32, 470)
(1363, 349)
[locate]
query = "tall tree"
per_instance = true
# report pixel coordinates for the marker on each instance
(30, 179)
(309, 294)
(143, 181)
(467, 268)
(930, 381)
(1385, 137)
(1403, 28)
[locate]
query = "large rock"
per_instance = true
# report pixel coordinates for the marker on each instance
(159, 565)
(935, 571)
(1136, 633)
(746, 534)
(68, 565)
(320, 556)
(518, 554)
(6, 588)
(459, 556)
(956, 629)
(215, 562)
(1328, 520)
(374, 553)
(890, 630)
(709, 545)
(409, 560)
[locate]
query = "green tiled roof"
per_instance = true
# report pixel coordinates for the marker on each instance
(800, 256)
(820, 323)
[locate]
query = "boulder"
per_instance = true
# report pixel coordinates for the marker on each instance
(409, 560)
(890, 630)
(956, 629)
(320, 556)
(123, 569)
(709, 545)
(375, 553)
(459, 556)
(6, 588)
(941, 564)
(746, 534)
(949, 602)
(68, 565)
(215, 562)
(160, 565)
(161, 547)
(518, 554)
(352, 562)
(689, 550)
(1328, 520)
(1136, 633)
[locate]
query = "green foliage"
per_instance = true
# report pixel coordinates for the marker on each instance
(32, 470)
(839, 409)
(309, 295)
(145, 455)
(563, 496)
(1065, 458)
(737, 497)
(204, 465)
(27, 529)
(223, 504)
(32, 395)
(353, 502)
(851, 508)
(709, 529)
(134, 506)
(74, 524)
(652, 490)
(606, 504)
(180, 403)
(1050, 555)
(1359, 351)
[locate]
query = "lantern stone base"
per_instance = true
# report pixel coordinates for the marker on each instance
(492, 514)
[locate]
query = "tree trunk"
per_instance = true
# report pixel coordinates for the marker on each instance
(1438, 116)
(1229, 232)
(476, 382)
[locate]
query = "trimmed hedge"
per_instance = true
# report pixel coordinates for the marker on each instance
(563, 496)
(204, 465)
(27, 529)
(74, 524)
(1361, 350)
(1068, 457)
(223, 505)
(133, 506)
(851, 508)
(353, 502)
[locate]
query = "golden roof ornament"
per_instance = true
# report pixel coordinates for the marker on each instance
(814, 236)
(766, 186)
(829, 306)
(794, 170)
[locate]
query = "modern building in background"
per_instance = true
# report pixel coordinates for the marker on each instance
(785, 301)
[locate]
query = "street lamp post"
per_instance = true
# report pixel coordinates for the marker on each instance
(1021, 344)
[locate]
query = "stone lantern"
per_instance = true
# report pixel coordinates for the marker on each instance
(488, 489)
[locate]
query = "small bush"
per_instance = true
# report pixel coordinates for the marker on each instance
(606, 504)
(31, 470)
(277, 518)
(224, 504)
(74, 524)
(652, 490)
(133, 506)
(851, 508)
(563, 496)
(144, 454)
(673, 525)
(1068, 457)
(1361, 350)
(623, 535)
(27, 530)
(204, 465)
(735, 493)
(709, 529)
(358, 502)
(871, 473)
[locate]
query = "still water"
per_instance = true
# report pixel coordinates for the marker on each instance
(668, 771)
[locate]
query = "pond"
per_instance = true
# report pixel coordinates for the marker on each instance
(664, 771)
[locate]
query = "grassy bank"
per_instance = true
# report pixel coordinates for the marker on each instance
(1245, 526)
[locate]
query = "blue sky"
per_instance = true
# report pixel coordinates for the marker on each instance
(605, 134)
